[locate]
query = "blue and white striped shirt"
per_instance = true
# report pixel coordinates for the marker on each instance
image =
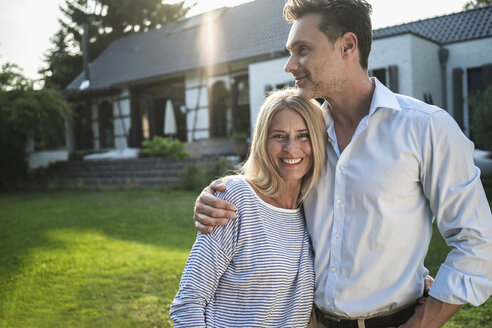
(257, 271)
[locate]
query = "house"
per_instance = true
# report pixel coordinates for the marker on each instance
(214, 70)
(440, 60)
(201, 65)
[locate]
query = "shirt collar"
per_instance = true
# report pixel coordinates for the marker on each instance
(382, 98)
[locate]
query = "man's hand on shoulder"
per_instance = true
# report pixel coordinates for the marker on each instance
(210, 210)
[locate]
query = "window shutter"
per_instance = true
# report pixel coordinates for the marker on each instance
(486, 76)
(458, 96)
(393, 78)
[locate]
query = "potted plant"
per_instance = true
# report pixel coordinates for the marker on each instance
(241, 143)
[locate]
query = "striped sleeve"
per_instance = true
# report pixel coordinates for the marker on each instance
(207, 262)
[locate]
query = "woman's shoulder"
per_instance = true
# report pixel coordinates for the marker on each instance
(239, 192)
(237, 188)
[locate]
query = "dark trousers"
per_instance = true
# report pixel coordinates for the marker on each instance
(321, 320)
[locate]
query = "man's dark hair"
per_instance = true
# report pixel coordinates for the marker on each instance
(338, 18)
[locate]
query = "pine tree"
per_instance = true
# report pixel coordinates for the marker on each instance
(107, 20)
(477, 4)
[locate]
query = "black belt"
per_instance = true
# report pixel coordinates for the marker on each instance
(390, 320)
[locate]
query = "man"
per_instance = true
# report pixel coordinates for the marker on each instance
(393, 164)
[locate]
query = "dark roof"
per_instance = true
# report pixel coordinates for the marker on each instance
(253, 29)
(247, 31)
(466, 25)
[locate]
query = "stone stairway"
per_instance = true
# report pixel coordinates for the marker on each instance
(122, 173)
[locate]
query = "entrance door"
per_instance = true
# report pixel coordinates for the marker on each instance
(82, 128)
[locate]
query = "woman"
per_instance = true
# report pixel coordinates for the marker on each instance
(257, 271)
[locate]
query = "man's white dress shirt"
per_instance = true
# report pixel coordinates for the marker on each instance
(370, 215)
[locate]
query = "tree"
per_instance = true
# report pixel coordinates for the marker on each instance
(482, 118)
(64, 63)
(24, 112)
(477, 4)
(107, 20)
(11, 78)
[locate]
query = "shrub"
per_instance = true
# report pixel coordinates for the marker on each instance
(240, 136)
(23, 112)
(162, 147)
(482, 118)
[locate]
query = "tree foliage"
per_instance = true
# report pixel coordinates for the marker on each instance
(107, 20)
(477, 3)
(482, 118)
(26, 112)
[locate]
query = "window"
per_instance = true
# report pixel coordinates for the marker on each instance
(387, 76)
(475, 86)
(241, 105)
(82, 128)
(150, 109)
(106, 127)
(220, 114)
(428, 98)
(380, 74)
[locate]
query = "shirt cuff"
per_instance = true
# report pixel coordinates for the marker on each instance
(451, 286)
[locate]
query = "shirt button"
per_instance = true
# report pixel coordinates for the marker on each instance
(342, 168)
(333, 269)
(328, 303)
(337, 235)
(339, 202)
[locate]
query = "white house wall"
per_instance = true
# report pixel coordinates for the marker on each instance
(426, 70)
(46, 157)
(395, 51)
(263, 75)
(42, 158)
(465, 55)
(418, 64)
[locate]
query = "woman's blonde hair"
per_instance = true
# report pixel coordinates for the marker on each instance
(258, 168)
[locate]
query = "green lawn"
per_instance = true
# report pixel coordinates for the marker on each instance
(109, 259)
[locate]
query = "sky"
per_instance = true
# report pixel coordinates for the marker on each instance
(26, 26)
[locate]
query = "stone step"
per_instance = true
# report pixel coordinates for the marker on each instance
(121, 164)
(115, 173)
(122, 174)
(90, 181)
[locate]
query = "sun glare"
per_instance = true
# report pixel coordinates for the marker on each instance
(209, 39)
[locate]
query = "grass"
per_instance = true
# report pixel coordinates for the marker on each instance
(110, 259)
(92, 259)
(469, 316)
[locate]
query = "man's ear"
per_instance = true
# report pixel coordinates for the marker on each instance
(349, 44)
